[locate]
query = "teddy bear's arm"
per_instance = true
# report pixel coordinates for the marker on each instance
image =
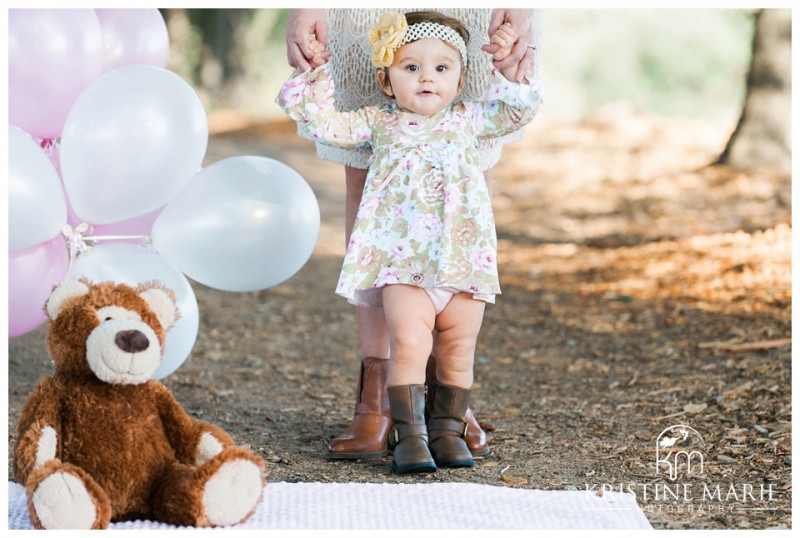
(194, 441)
(38, 430)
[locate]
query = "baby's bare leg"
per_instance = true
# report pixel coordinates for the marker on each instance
(410, 317)
(457, 328)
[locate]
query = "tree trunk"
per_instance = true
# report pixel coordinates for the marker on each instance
(762, 137)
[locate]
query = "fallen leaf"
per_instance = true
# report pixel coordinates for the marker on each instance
(695, 408)
(513, 480)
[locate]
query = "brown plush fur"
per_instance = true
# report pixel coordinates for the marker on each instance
(133, 445)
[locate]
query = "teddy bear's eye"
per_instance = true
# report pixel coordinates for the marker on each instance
(114, 313)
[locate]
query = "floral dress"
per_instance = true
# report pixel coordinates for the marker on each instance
(425, 217)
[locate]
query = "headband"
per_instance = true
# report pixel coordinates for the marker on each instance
(392, 31)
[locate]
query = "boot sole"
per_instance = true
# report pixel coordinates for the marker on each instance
(414, 468)
(482, 452)
(458, 463)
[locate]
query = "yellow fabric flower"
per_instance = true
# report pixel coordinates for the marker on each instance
(385, 37)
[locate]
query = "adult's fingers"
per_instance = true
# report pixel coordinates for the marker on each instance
(296, 57)
(497, 18)
(302, 25)
(519, 50)
(320, 59)
(321, 33)
(490, 48)
(526, 66)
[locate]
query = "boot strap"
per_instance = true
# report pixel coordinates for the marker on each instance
(401, 431)
(443, 425)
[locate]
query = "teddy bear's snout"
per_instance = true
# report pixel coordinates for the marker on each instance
(131, 341)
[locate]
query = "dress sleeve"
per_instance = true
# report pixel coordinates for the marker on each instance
(507, 106)
(307, 98)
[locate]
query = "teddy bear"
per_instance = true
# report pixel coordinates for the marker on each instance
(100, 441)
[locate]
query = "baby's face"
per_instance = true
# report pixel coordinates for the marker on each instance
(425, 76)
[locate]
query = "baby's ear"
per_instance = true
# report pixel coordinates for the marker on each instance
(385, 83)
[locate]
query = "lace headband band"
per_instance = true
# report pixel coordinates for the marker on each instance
(392, 31)
(423, 30)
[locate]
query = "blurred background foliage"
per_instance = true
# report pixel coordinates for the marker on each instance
(663, 61)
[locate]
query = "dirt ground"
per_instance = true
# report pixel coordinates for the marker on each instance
(642, 289)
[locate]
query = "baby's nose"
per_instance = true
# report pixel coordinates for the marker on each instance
(426, 74)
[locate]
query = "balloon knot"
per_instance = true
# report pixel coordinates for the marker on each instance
(75, 239)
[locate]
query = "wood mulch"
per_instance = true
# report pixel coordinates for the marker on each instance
(642, 288)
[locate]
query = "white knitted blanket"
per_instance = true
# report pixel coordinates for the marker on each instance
(412, 506)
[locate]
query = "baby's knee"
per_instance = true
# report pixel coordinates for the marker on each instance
(455, 372)
(455, 349)
(411, 343)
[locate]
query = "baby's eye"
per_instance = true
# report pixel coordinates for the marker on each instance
(413, 68)
(441, 68)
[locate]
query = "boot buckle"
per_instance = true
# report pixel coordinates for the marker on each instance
(394, 436)
(466, 428)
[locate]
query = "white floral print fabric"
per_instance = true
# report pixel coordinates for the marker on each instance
(425, 217)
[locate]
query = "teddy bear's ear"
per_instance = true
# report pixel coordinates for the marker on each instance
(63, 292)
(161, 301)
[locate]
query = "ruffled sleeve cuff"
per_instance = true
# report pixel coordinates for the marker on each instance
(518, 95)
(307, 93)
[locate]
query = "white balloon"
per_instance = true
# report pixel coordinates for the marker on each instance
(125, 263)
(131, 142)
(243, 224)
(37, 209)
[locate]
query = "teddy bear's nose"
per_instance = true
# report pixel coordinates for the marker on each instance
(131, 341)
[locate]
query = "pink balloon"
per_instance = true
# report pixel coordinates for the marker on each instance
(32, 274)
(72, 218)
(53, 54)
(141, 225)
(133, 36)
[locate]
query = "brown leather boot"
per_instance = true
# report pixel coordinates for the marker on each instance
(476, 437)
(409, 436)
(447, 428)
(368, 433)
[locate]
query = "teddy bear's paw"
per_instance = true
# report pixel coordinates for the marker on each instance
(61, 501)
(232, 492)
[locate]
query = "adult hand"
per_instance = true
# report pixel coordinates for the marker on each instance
(519, 55)
(307, 38)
